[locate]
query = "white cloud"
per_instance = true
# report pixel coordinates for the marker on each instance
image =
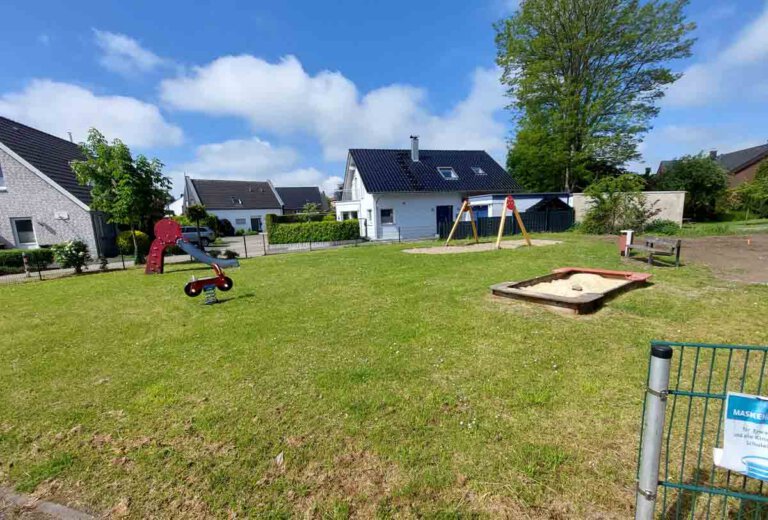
(283, 98)
(59, 108)
(124, 55)
(252, 159)
(737, 71)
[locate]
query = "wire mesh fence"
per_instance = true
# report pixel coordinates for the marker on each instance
(690, 484)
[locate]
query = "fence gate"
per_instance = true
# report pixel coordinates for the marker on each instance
(683, 422)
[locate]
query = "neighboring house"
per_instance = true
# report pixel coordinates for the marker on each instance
(41, 202)
(176, 207)
(295, 198)
(411, 193)
(741, 165)
(245, 204)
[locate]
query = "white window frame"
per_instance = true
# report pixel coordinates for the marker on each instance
(3, 187)
(381, 218)
(19, 243)
(452, 173)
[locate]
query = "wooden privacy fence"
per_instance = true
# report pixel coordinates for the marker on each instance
(534, 221)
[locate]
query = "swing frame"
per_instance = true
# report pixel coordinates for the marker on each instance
(509, 204)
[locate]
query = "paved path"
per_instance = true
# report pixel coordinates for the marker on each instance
(16, 505)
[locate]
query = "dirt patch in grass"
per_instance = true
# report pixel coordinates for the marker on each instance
(736, 258)
(475, 248)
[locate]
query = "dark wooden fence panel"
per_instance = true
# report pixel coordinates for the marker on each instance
(534, 221)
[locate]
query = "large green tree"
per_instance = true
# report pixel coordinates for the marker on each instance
(124, 188)
(585, 77)
(704, 180)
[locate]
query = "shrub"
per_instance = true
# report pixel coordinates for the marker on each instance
(329, 217)
(662, 227)
(230, 255)
(73, 253)
(214, 253)
(616, 203)
(125, 242)
(11, 260)
(324, 231)
(240, 232)
(704, 180)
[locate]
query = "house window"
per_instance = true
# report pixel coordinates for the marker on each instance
(387, 216)
(2, 180)
(478, 170)
(239, 221)
(24, 231)
(370, 214)
(448, 173)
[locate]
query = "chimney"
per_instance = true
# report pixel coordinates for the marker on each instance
(415, 148)
(70, 137)
(713, 154)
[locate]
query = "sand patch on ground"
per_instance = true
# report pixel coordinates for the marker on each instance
(475, 248)
(576, 285)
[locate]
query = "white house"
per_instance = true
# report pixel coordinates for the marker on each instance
(176, 207)
(245, 204)
(41, 202)
(411, 193)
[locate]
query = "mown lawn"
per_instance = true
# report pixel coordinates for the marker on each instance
(392, 385)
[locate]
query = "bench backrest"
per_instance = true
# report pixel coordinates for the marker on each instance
(656, 242)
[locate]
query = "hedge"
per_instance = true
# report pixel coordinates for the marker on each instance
(12, 257)
(295, 218)
(323, 231)
(125, 242)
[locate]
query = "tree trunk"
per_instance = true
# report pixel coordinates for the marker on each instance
(138, 258)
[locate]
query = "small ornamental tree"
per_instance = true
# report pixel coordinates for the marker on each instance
(309, 210)
(617, 203)
(196, 213)
(124, 188)
(72, 254)
(703, 179)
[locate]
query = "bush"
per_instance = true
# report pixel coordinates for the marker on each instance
(72, 254)
(125, 242)
(704, 180)
(662, 227)
(11, 260)
(330, 217)
(616, 203)
(215, 253)
(324, 231)
(230, 255)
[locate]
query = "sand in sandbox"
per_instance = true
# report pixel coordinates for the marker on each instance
(589, 283)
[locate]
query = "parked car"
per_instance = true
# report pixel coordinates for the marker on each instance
(206, 234)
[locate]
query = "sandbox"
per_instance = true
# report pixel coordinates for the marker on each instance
(575, 289)
(476, 248)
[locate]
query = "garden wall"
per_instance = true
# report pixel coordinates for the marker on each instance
(670, 203)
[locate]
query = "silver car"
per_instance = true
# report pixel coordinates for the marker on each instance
(206, 234)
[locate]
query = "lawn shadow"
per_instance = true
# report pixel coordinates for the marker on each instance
(238, 297)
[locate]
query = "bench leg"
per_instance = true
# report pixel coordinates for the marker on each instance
(650, 259)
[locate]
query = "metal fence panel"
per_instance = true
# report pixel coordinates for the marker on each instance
(534, 221)
(690, 485)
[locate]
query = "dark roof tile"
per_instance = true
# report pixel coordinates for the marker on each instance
(294, 198)
(216, 194)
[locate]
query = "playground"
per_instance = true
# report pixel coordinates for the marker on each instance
(350, 382)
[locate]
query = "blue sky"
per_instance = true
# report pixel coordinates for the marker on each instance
(280, 90)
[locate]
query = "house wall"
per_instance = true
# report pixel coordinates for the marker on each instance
(27, 195)
(523, 202)
(415, 214)
(745, 175)
(233, 214)
(671, 204)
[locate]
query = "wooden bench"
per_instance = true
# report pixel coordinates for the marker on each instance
(655, 246)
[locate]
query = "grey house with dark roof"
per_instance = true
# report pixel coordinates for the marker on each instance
(245, 204)
(410, 193)
(741, 165)
(41, 202)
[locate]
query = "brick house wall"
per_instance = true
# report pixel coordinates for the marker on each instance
(745, 175)
(26, 195)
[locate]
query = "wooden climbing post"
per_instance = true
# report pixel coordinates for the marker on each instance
(456, 222)
(501, 226)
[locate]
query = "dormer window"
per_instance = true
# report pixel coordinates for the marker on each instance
(478, 170)
(448, 173)
(237, 201)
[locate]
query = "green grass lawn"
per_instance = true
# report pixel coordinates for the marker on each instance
(392, 384)
(734, 227)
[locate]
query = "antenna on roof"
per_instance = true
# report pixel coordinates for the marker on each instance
(70, 137)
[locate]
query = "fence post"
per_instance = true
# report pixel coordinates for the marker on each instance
(398, 234)
(310, 245)
(245, 247)
(122, 259)
(39, 270)
(264, 244)
(653, 430)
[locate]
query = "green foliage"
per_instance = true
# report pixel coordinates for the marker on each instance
(586, 77)
(310, 211)
(329, 217)
(324, 231)
(183, 220)
(703, 179)
(196, 213)
(127, 239)
(125, 188)
(662, 227)
(616, 203)
(752, 196)
(215, 253)
(297, 217)
(12, 261)
(229, 254)
(73, 253)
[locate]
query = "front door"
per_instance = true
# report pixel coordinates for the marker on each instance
(256, 224)
(444, 216)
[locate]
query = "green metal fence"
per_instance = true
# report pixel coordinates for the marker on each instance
(683, 422)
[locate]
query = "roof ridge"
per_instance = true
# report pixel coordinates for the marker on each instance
(38, 131)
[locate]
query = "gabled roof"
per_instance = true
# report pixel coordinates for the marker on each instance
(393, 171)
(294, 198)
(739, 159)
(215, 194)
(49, 154)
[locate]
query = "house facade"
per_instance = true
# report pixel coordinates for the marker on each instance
(245, 204)
(411, 193)
(741, 165)
(41, 202)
